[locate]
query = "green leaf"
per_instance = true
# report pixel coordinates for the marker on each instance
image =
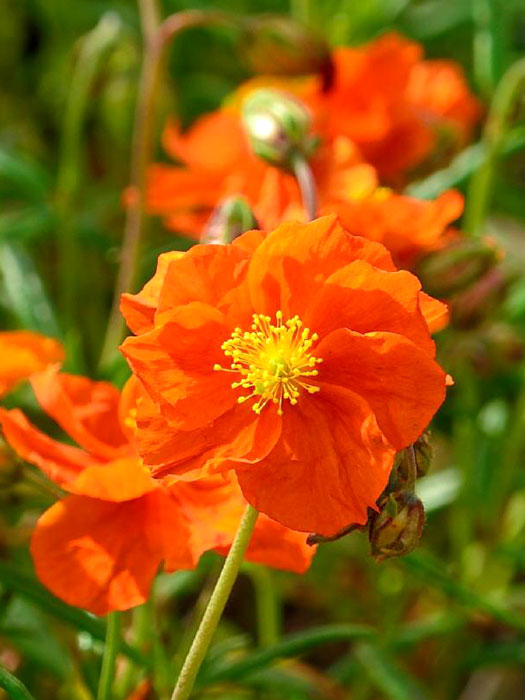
(291, 646)
(22, 178)
(434, 573)
(25, 291)
(386, 676)
(26, 586)
(13, 687)
(462, 166)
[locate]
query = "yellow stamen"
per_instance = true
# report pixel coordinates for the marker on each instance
(272, 360)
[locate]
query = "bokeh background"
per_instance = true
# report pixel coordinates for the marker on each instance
(446, 622)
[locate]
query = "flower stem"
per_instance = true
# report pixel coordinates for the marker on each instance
(305, 180)
(267, 604)
(501, 112)
(155, 45)
(216, 606)
(107, 673)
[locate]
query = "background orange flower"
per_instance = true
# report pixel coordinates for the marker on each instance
(100, 547)
(25, 352)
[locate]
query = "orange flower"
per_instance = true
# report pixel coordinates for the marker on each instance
(389, 101)
(386, 105)
(219, 163)
(25, 352)
(408, 227)
(302, 360)
(100, 547)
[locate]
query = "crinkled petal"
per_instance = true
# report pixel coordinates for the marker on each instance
(402, 384)
(86, 410)
(330, 465)
(364, 298)
(61, 463)
(436, 312)
(238, 437)
(139, 309)
(175, 362)
(294, 261)
(118, 481)
(103, 556)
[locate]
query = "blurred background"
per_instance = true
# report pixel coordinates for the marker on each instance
(446, 622)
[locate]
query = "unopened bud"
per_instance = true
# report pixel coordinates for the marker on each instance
(278, 45)
(457, 266)
(230, 219)
(495, 348)
(278, 127)
(411, 463)
(472, 306)
(396, 529)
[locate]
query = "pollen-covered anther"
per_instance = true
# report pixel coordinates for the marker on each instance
(273, 360)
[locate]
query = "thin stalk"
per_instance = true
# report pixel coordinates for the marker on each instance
(220, 595)
(501, 113)
(141, 150)
(306, 181)
(92, 50)
(267, 605)
(15, 689)
(109, 660)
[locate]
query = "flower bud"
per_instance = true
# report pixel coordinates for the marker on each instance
(278, 127)
(278, 45)
(231, 218)
(472, 306)
(497, 347)
(457, 266)
(396, 529)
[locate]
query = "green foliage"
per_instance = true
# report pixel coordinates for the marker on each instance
(415, 629)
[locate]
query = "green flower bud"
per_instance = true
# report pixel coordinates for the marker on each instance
(278, 127)
(230, 219)
(456, 267)
(396, 529)
(473, 305)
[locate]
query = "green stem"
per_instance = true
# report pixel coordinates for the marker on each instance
(141, 149)
(306, 181)
(111, 648)
(216, 606)
(501, 112)
(267, 604)
(13, 687)
(93, 48)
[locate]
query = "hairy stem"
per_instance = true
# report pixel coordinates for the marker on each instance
(216, 606)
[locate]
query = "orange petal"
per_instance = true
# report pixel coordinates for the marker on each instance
(118, 481)
(175, 363)
(61, 463)
(435, 312)
(330, 465)
(236, 438)
(214, 508)
(363, 298)
(86, 410)
(402, 384)
(294, 261)
(103, 556)
(139, 309)
(23, 353)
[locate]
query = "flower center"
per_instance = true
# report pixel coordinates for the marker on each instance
(274, 361)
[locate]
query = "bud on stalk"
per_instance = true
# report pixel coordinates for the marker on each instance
(278, 127)
(397, 528)
(457, 266)
(230, 219)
